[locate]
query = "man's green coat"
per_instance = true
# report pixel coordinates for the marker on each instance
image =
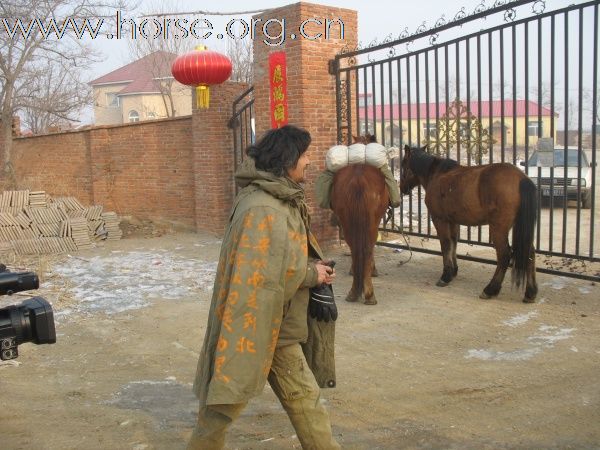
(260, 295)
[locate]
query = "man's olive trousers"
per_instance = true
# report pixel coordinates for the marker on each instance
(295, 386)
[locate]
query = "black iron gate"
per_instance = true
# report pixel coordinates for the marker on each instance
(242, 125)
(524, 90)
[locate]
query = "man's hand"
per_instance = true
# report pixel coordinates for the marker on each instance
(321, 304)
(325, 271)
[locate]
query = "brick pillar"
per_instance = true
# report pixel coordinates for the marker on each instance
(213, 158)
(310, 87)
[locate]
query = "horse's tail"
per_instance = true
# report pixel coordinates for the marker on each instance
(523, 231)
(359, 238)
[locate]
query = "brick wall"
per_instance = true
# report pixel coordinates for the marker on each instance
(142, 169)
(145, 169)
(159, 170)
(56, 163)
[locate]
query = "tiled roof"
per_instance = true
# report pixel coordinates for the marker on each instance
(429, 110)
(140, 74)
(139, 86)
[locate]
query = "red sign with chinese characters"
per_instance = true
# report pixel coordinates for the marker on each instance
(278, 86)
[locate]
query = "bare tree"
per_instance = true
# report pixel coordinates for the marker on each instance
(240, 53)
(28, 45)
(56, 96)
(544, 92)
(588, 96)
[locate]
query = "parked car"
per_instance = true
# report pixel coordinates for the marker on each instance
(553, 181)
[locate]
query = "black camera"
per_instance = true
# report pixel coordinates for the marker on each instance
(30, 321)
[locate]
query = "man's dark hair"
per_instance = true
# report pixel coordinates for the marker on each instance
(279, 149)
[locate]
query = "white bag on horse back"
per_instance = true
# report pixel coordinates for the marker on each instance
(376, 154)
(356, 154)
(336, 158)
(340, 156)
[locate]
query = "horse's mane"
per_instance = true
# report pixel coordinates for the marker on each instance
(421, 162)
(364, 139)
(446, 164)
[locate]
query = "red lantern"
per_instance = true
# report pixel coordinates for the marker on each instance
(201, 68)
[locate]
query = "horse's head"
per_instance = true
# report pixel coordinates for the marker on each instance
(408, 178)
(364, 139)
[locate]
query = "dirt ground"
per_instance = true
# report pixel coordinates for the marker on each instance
(426, 368)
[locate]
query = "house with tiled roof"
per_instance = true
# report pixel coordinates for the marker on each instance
(141, 90)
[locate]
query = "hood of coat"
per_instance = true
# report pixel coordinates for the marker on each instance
(282, 188)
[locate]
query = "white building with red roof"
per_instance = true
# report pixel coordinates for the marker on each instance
(517, 122)
(142, 90)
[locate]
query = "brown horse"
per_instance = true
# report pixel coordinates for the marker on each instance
(359, 199)
(496, 194)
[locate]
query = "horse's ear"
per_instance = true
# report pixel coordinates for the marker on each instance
(406, 148)
(424, 149)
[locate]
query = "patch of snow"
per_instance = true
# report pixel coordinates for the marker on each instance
(128, 280)
(548, 336)
(520, 319)
(557, 283)
(493, 355)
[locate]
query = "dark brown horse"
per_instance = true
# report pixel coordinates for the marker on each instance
(359, 198)
(496, 194)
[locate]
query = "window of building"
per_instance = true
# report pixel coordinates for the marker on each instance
(429, 130)
(465, 131)
(365, 128)
(393, 135)
(112, 99)
(534, 128)
(134, 116)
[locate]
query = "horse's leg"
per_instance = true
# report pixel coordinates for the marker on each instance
(368, 283)
(351, 297)
(499, 235)
(444, 234)
(532, 289)
(455, 229)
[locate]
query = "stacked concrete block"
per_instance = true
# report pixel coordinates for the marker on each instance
(31, 222)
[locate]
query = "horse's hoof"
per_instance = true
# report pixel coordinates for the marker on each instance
(441, 283)
(375, 273)
(351, 298)
(485, 296)
(528, 300)
(371, 301)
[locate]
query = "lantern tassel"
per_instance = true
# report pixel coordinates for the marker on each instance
(202, 96)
